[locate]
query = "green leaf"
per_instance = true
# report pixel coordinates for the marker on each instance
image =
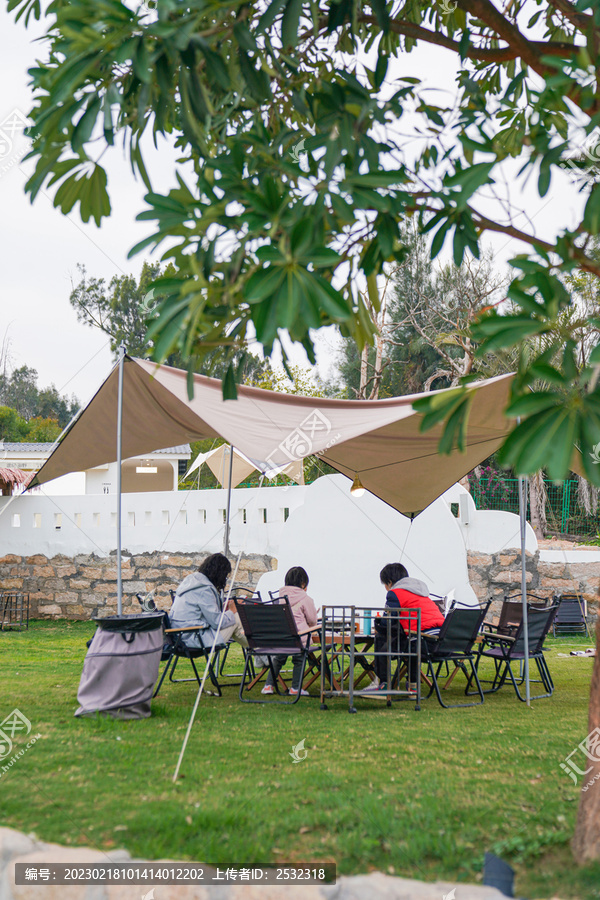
(229, 385)
(591, 216)
(290, 23)
(270, 14)
(263, 283)
(532, 403)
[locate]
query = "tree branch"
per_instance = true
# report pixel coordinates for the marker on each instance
(483, 54)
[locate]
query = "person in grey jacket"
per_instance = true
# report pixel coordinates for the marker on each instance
(199, 601)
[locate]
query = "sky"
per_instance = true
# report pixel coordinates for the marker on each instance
(40, 247)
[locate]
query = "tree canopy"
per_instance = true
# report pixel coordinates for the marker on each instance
(294, 177)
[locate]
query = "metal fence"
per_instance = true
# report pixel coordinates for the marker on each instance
(564, 513)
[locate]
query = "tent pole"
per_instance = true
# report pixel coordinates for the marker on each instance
(523, 528)
(228, 512)
(119, 442)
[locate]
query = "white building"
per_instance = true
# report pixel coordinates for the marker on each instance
(157, 471)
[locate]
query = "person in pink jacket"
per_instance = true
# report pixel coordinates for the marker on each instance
(305, 614)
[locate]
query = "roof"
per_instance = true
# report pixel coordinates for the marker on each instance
(14, 476)
(44, 448)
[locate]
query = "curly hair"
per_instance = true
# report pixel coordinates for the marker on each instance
(217, 569)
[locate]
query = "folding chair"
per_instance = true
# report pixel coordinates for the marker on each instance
(313, 662)
(506, 649)
(571, 615)
(270, 630)
(454, 645)
(175, 649)
(511, 613)
(250, 596)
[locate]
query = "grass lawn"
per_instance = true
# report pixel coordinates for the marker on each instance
(418, 794)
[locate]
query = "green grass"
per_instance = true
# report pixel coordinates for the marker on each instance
(418, 794)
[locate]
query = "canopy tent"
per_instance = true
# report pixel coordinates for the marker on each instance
(218, 461)
(380, 440)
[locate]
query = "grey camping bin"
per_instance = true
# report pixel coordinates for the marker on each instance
(121, 666)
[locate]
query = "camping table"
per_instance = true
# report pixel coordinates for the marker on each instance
(342, 642)
(339, 641)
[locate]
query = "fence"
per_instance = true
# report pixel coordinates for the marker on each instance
(564, 513)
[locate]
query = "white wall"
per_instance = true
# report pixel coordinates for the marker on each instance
(487, 530)
(343, 542)
(188, 521)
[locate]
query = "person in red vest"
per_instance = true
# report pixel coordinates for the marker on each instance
(403, 593)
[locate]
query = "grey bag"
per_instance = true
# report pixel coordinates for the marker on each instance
(121, 667)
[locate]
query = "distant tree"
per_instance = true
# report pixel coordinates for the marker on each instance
(13, 427)
(120, 308)
(19, 391)
(40, 430)
(423, 339)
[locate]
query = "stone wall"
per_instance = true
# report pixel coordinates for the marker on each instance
(493, 575)
(86, 585)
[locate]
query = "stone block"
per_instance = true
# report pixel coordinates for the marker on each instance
(11, 558)
(37, 560)
(152, 559)
(63, 571)
(13, 844)
(482, 560)
(511, 578)
(51, 610)
(508, 559)
(79, 584)
(255, 565)
(41, 596)
(67, 597)
(558, 585)
(43, 571)
(553, 570)
(176, 561)
(11, 584)
(134, 587)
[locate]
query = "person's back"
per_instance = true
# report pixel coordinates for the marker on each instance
(303, 606)
(305, 616)
(411, 593)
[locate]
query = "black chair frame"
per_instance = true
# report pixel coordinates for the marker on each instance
(506, 649)
(454, 645)
(570, 617)
(270, 630)
(175, 649)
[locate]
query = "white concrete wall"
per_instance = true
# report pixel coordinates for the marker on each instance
(487, 530)
(189, 521)
(343, 542)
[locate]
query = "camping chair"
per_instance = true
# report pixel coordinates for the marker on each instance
(506, 649)
(454, 645)
(250, 595)
(175, 649)
(571, 615)
(313, 662)
(270, 630)
(511, 613)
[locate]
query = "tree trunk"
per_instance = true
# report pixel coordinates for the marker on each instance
(537, 504)
(586, 842)
(364, 372)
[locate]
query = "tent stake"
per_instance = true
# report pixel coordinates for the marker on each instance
(119, 442)
(523, 528)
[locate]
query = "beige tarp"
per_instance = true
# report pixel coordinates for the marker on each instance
(379, 440)
(217, 461)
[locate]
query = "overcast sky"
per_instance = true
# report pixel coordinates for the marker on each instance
(40, 247)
